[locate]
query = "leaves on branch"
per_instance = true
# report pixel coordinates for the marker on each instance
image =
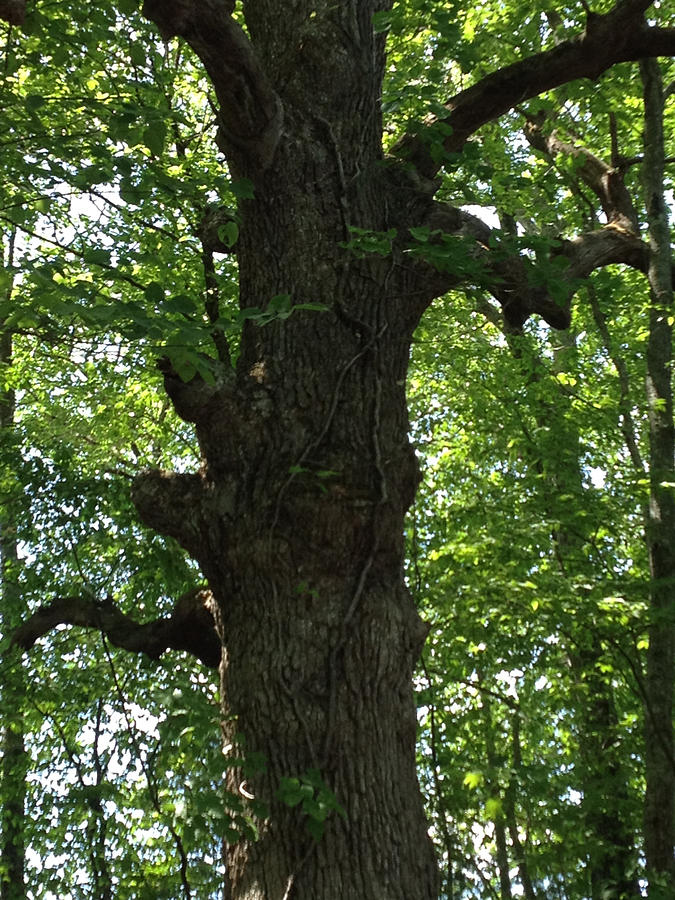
(620, 35)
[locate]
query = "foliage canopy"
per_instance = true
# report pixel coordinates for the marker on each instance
(526, 550)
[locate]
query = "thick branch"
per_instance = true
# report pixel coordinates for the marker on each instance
(621, 35)
(195, 399)
(172, 504)
(619, 241)
(604, 247)
(514, 279)
(606, 181)
(509, 276)
(190, 627)
(251, 113)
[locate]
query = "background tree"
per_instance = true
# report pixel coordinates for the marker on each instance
(581, 422)
(14, 761)
(660, 675)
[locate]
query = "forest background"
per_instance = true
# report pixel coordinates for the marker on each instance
(541, 542)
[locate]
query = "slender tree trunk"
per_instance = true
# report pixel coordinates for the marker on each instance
(499, 821)
(519, 851)
(14, 758)
(613, 859)
(659, 816)
(442, 820)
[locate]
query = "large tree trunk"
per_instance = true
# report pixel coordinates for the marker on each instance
(321, 633)
(297, 516)
(297, 522)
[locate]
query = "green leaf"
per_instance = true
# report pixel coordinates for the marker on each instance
(184, 364)
(315, 809)
(154, 292)
(493, 808)
(97, 256)
(243, 189)
(473, 780)
(138, 54)
(154, 137)
(34, 101)
(382, 21)
(229, 232)
(315, 828)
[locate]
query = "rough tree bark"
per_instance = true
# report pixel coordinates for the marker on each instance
(296, 516)
(320, 633)
(659, 811)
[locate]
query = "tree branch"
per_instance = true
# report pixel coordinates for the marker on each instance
(606, 181)
(172, 503)
(216, 223)
(190, 627)
(627, 422)
(515, 280)
(603, 247)
(251, 112)
(619, 241)
(506, 274)
(621, 35)
(195, 399)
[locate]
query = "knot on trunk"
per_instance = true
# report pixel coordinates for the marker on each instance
(172, 504)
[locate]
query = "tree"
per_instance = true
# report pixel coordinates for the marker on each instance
(14, 761)
(536, 435)
(659, 808)
(296, 514)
